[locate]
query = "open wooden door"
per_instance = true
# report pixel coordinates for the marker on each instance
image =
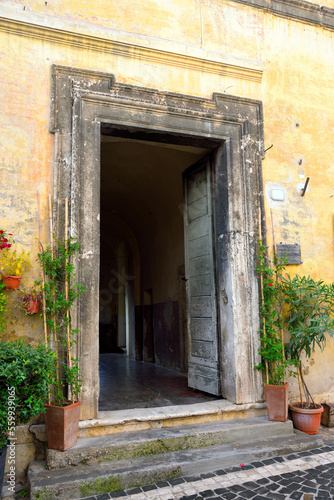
(203, 366)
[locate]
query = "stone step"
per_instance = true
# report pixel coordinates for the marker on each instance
(85, 480)
(115, 447)
(140, 419)
(143, 419)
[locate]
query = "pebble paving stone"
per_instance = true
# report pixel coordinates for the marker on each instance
(307, 475)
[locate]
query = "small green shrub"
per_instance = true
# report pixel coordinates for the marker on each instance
(26, 372)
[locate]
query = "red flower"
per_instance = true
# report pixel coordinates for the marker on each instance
(270, 284)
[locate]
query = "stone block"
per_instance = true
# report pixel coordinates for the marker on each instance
(39, 431)
(23, 434)
(7, 495)
(22, 455)
(327, 417)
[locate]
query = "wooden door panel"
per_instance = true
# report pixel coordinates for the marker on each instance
(200, 265)
(203, 372)
(198, 228)
(200, 307)
(198, 209)
(200, 285)
(199, 246)
(201, 329)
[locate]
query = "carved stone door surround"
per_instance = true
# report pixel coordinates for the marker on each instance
(82, 102)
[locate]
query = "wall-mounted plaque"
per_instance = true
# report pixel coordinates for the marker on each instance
(292, 253)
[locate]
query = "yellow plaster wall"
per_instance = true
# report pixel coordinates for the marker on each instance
(295, 88)
(229, 29)
(163, 19)
(299, 120)
(324, 3)
(26, 165)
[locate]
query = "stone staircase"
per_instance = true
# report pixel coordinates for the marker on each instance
(109, 462)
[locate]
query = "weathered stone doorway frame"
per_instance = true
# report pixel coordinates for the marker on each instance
(81, 102)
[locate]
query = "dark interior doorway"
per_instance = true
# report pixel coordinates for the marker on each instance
(142, 286)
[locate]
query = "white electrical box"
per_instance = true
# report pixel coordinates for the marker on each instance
(277, 194)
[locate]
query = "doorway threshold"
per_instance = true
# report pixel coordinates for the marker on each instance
(132, 420)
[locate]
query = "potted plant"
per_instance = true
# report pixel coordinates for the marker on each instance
(29, 299)
(26, 372)
(12, 264)
(5, 243)
(309, 320)
(273, 361)
(60, 290)
(32, 302)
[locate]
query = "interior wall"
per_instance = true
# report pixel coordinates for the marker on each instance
(110, 302)
(141, 186)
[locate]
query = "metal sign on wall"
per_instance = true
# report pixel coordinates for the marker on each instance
(291, 252)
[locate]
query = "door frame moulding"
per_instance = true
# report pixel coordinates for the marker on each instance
(81, 102)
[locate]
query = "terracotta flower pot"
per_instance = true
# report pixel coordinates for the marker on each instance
(276, 397)
(32, 304)
(62, 423)
(306, 419)
(11, 282)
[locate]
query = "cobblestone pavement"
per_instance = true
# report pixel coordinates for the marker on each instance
(304, 475)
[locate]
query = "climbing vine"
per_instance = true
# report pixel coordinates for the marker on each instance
(60, 290)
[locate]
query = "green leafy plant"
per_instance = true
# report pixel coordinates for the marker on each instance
(302, 307)
(24, 493)
(26, 372)
(273, 361)
(13, 263)
(33, 292)
(309, 320)
(60, 290)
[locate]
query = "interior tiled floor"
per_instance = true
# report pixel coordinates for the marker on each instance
(126, 383)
